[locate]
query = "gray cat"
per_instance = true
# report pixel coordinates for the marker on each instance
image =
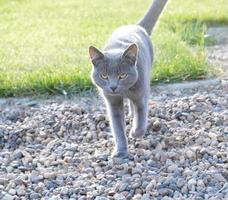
(122, 70)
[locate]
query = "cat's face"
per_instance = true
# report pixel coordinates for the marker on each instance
(114, 72)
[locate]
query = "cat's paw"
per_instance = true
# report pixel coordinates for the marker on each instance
(120, 154)
(137, 133)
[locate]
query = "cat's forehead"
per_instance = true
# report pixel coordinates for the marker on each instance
(113, 54)
(113, 58)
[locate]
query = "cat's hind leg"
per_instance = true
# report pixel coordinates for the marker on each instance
(130, 108)
(139, 126)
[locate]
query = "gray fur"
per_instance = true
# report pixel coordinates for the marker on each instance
(122, 70)
(149, 20)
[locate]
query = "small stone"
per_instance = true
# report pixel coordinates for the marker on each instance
(40, 187)
(100, 188)
(165, 192)
(43, 134)
(17, 154)
(20, 181)
(146, 197)
(156, 125)
(151, 186)
(212, 135)
(31, 103)
(172, 168)
(27, 156)
(126, 178)
(111, 192)
(191, 184)
(138, 191)
(64, 191)
(137, 197)
(184, 189)
(226, 131)
(218, 121)
(177, 195)
(160, 155)
(144, 144)
(8, 197)
(190, 154)
(101, 198)
(180, 182)
(172, 155)
(50, 175)
(122, 187)
(187, 172)
(208, 125)
(219, 177)
(136, 170)
(55, 197)
(4, 181)
(21, 191)
(12, 191)
(200, 186)
(34, 195)
(221, 138)
(178, 115)
(136, 184)
(119, 197)
(36, 178)
(173, 123)
(152, 163)
(140, 152)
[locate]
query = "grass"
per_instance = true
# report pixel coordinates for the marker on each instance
(44, 44)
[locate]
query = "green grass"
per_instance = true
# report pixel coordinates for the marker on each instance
(44, 44)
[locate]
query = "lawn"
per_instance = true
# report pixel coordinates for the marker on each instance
(44, 44)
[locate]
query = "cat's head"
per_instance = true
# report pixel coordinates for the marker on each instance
(114, 71)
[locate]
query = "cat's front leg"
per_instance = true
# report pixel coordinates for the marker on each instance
(115, 109)
(139, 126)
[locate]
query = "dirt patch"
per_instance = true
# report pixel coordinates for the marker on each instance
(217, 49)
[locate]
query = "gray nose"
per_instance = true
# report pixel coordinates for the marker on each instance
(113, 88)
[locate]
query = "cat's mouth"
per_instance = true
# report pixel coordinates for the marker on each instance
(114, 93)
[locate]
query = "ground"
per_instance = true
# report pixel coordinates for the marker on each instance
(55, 149)
(217, 53)
(60, 148)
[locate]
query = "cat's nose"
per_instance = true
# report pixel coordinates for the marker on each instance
(113, 88)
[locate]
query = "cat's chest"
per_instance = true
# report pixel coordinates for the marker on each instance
(133, 93)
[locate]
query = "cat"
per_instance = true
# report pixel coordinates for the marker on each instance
(122, 70)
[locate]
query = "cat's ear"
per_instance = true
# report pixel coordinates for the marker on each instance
(95, 54)
(130, 54)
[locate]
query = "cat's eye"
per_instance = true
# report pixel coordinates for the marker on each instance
(104, 76)
(122, 76)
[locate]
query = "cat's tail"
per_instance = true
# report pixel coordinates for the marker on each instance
(150, 18)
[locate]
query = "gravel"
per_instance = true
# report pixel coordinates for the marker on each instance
(60, 149)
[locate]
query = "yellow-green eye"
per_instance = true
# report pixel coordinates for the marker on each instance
(104, 76)
(122, 76)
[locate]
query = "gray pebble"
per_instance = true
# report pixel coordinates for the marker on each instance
(165, 192)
